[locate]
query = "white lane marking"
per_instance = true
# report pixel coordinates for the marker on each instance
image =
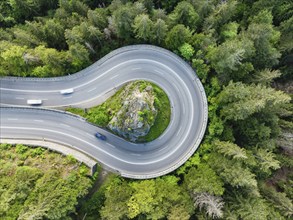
(92, 89)
(90, 135)
(138, 68)
(44, 99)
(160, 72)
(183, 109)
(12, 119)
(114, 76)
(67, 97)
(163, 149)
(38, 120)
(65, 125)
(134, 154)
(110, 145)
(19, 98)
(176, 88)
(161, 136)
(178, 131)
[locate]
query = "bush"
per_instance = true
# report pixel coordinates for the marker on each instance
(20, 149)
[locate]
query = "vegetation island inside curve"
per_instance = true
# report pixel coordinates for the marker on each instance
(139, 111)
(241, 51)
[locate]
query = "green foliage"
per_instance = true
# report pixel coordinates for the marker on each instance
(185, 14)
(163, 116)
(71, 159)
(122, 21)
(229, 31)
(221, 14)
(186, 51)
(46, 187)
(159, 31)
(102, 114)
(4, 146)
(152, 198)
(115, 206)
(266, 76)
(232, 172)
(230, 58)
(99, 117)
(278, 199)
(248, 208)
(38, 151)
(239, 101)
(247, 141)
(142, 27)
(265, 38)
(267, 160)
(194, 160)
(203, 179)
(231, 150)
(20, 149)
(177, 36)
(201, 68)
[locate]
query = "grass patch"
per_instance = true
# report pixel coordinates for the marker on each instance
(102, 114)
(162, 104)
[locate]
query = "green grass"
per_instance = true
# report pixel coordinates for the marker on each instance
(102, 114)
(162, 104)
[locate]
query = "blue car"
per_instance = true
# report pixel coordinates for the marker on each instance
(100, 136)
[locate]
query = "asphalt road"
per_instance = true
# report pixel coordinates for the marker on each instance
(91, 85)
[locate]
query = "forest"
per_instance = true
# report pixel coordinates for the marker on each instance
(242, 51)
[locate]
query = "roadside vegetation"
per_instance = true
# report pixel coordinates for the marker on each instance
(101, 115)
(241, 50)
(38, 184)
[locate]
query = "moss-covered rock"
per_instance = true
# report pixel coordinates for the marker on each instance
(138, 112)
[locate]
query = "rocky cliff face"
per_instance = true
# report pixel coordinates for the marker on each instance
(137, 113)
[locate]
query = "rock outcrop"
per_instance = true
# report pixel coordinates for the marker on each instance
(137, 113)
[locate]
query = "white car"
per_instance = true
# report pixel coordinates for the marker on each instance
(66, 91)
(34, 101)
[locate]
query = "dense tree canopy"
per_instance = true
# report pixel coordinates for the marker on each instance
(37, 184)
(242, 52)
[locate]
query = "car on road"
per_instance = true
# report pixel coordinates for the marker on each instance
(100, 136)
(66, 91)
(34, 101)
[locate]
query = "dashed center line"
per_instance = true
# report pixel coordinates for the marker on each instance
(110, 145)
(65, 125)
(176, 88)
(92, 89)
(90, 135)
(38, 120)
(114, 76)
(159, 72)
(12, 119)
(178, 131)
(67, 97)
(163, 149)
